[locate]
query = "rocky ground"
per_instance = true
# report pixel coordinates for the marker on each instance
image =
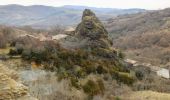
(44, 86)
(10, 87)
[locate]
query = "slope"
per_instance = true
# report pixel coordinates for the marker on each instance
(145, 36)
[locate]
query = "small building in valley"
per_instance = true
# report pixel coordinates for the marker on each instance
(131, 61)
(59, 36)
(163, 73)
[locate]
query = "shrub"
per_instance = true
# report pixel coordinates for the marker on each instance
(13, 52)
(19, 51)
(106, 53)
(90, 69)
(26, 54)
(123, 77)
(2, 41)
(100, 69)
(139, 75)
(37, 54)
(126, 79)
(93, 88)
(101, 85)
(121, 54)
(62, 75)
(117, 98)
(75, 83)
(79, 71)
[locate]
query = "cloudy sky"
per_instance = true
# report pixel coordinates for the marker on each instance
(146, 4)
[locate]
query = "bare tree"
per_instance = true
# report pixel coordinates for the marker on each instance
(2, 41)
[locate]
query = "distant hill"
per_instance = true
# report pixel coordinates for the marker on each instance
(45, 16)
(145, 36)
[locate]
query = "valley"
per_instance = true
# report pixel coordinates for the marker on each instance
(144, 37)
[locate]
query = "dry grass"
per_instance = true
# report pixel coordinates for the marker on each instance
(146, 95)
(9, 72)
(5, 50)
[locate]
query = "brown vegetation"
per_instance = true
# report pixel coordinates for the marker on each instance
(143, 35)
(6, 35)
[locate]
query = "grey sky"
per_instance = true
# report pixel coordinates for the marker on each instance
(146, 4)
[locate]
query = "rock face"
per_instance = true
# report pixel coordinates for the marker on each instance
(9, 88)
(90, 33)
(92, 29)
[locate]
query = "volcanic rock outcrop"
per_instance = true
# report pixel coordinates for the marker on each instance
(92, 29)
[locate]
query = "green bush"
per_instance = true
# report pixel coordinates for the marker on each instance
(93, 88)
(19, 51)
(79, 71)
(139, 75)
(117, 98)
(62, 75)
(13, 52)
(101, 69)
(121, 54)
(126, 79)
(36, 54)
(75, 83)
(98, 60)
(123, 77)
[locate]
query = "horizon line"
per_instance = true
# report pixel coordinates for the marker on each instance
(79, 6)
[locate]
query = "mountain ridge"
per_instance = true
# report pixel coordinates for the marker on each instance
(40, 15)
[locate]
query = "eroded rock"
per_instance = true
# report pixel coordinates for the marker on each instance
(10, 89)
(91, 28)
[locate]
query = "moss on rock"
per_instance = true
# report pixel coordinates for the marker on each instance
(92, 28)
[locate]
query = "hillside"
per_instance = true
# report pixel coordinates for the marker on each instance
(144, 36)
(45, 16)
(85, 64)
(82, 65)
